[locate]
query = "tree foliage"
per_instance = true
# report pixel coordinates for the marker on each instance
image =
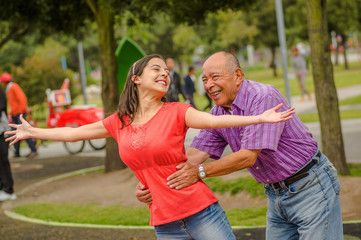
(264, 17)
(343, 19)
(22, 17)
(41, 71)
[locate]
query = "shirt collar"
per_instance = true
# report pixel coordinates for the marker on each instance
(240, 99)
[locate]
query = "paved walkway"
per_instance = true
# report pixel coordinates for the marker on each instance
(310, 106)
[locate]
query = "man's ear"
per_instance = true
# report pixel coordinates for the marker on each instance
(239, 76)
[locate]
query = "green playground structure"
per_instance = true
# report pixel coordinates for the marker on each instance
(127, 53)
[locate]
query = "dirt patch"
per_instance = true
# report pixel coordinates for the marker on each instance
(118, 188)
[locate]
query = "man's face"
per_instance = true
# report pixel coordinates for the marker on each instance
(219, 82)
(170, 63)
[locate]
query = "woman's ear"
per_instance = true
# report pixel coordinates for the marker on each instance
(135, 79)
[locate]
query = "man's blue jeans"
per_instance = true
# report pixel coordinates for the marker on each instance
(208, 224)
(308, 208)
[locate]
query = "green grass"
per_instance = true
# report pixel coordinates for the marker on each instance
(131, 216)
(255, 216)
(342, 78)
(345, 114)
(89, 214)
(351, 101)
(235, 186)
(355, 169)
(119, 215)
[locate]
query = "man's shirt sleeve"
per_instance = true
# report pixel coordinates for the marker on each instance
(266, 135)
(209, 141)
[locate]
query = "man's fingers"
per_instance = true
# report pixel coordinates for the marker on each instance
(173, 176)
(175, 182)
(180, 166)
(181, 186)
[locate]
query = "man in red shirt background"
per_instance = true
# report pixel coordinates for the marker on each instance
(18, 105)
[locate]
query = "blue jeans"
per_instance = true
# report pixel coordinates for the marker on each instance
(308, 208)
(209, 224)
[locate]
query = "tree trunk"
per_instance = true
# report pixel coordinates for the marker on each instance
(104, 14)
(325, 89)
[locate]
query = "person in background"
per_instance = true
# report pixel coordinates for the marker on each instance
(6, 179)
(202, 92)
(301, 184)
(189, 86)
(175, 87)
(18, 105)
(299, 65)
(150, 134)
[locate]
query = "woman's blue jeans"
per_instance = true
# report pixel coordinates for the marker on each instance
(208, 224)
(308, 208)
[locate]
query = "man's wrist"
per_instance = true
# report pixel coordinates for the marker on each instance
(201, 172)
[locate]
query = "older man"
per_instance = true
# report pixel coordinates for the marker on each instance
(301, 184)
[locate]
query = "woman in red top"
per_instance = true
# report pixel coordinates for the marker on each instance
(150, 133)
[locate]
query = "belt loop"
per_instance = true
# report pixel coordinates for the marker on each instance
(317, 157)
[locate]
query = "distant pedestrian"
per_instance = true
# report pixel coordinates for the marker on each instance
(175, 87)
(202, 92)
(18, 105)
(189, 86)
(299, 65)
(6, 179)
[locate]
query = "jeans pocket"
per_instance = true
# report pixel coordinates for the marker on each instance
(332, 174)
(303, 184)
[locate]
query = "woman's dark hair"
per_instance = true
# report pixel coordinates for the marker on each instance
(128, 100)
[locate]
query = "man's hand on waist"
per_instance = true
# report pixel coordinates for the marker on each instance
(185, 176)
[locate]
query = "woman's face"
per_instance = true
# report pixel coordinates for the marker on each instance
(155, 77)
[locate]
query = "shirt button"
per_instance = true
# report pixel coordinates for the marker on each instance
(267, 180)
(241, 134)
(257, 168)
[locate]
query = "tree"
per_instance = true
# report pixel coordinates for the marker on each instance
(41, 71)
(325, 89)
(294, 17)
(343, 19)
(264, 16)
(104, 14)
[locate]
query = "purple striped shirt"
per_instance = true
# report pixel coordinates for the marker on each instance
(286, 147)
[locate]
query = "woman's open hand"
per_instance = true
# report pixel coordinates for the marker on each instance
(22, 131)
(271, 116)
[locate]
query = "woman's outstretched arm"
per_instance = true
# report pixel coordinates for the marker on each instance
(64, 134)
(201, 120)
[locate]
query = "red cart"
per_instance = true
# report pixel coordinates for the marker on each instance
(62, 114)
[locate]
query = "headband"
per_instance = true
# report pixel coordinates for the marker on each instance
(134, 66)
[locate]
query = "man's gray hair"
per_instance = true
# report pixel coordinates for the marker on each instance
(231, 62)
